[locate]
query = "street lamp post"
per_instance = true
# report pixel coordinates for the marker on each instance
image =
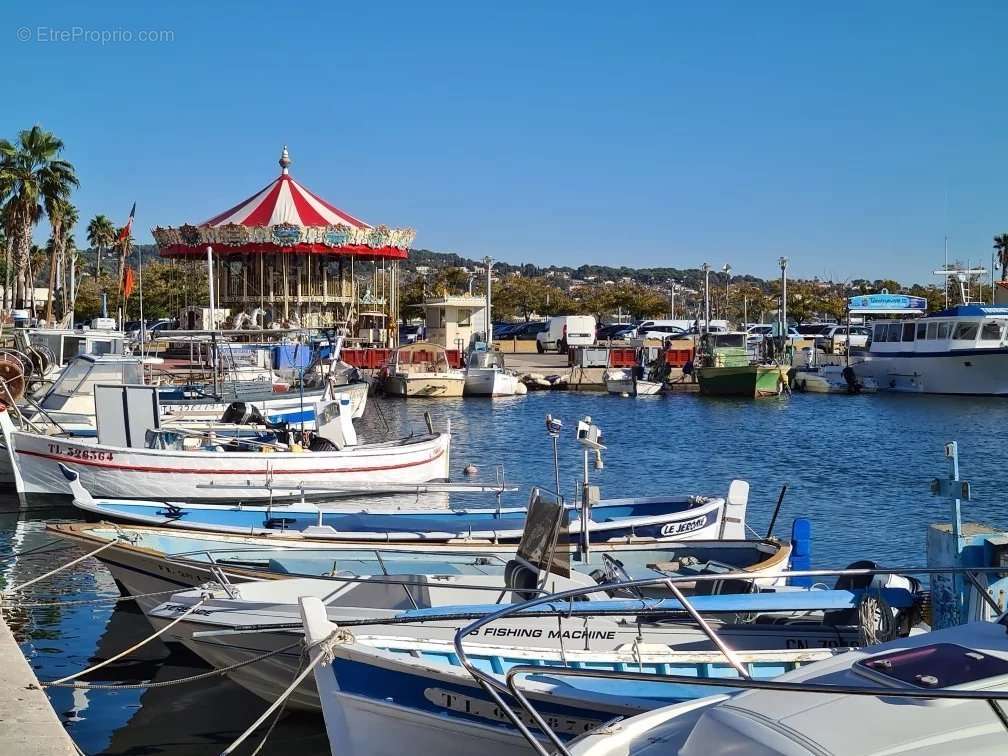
(489, 320)
(783, 262)
(706, 270)
(727, 272)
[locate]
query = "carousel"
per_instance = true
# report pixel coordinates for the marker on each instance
(286, 258)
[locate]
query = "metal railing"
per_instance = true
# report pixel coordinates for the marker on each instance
(498, 690)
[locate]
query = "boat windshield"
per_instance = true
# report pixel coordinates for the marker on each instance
(722, 340)
(486, 360)
(81, 375)
(991, 331)
(966, 331)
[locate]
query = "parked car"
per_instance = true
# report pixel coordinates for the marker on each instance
(755, 334)
(132, 328)
(564, 331)
(814, 329)
(835, 338)
(610, 330)
(529, 331)
(411, 334)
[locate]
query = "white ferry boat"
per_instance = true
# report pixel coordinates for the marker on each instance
(960, 350)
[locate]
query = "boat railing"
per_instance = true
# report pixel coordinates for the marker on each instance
(565, 605)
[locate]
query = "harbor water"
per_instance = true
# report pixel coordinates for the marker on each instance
(857, 466)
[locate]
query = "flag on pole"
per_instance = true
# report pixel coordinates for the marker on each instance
(125, 233)
(128, 283)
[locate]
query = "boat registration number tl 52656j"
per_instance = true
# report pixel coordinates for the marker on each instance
(86, 454)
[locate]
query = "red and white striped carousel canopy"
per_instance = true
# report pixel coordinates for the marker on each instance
(285, 217)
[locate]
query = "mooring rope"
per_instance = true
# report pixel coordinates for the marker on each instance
(283, 696)
(269, 730)
(134, 647)
(78, 560)
(168, 683)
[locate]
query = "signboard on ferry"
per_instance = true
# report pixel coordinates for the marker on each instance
(886, 303)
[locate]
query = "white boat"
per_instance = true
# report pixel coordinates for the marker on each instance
(196, 467)
(898, 708)
(833, 379)
(622, 381)
(69, 404)
(422, 370)
(961, 350)
(485, 375)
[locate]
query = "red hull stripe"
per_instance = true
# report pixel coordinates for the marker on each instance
(200, 471)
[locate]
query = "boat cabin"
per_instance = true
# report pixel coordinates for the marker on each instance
(485, 360)
(73, 391)
(66, 344)
(957, 328)
(421, 357)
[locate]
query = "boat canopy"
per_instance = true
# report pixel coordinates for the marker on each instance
(971, 311)
(423, 356)
(85, 371)
(488, 360)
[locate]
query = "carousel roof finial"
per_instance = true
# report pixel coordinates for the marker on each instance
(285, 160)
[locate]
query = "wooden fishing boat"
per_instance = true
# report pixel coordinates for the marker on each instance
(197, 466)
(662, 518)
(724, 367)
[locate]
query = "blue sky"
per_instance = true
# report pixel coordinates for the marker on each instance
(850, 138)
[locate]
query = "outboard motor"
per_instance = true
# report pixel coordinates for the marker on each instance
(522, 579)
(240, 413)
(889, 622)
(850, 377)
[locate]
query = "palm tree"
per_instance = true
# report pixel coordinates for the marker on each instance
(1001, 247)
(7, 228)
(62, 218)
(100, 235)
(31, 174)
(71, 275)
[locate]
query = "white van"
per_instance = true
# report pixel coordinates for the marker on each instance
(566, 331)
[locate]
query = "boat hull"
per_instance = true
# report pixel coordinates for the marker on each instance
(968, 372)
(115, 472)
(489, 382)
(427, 386)
(831, 381)
(748, 380)
(631, 387)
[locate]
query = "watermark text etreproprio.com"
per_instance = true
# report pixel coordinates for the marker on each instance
(84, 35)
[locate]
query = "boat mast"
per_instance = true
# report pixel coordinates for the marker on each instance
(489, 320)
(213, 318)
(946, 268)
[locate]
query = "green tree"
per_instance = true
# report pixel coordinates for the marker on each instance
(517, 296)
(31, 176)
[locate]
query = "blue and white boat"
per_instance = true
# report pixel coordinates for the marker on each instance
(659, 517)
(960, 350)
(383, 692)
